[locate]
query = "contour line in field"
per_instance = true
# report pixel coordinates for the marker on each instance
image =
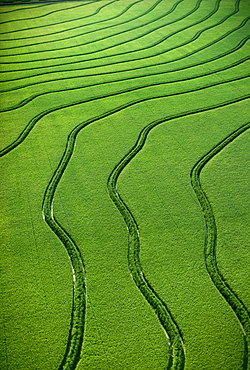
(75, 340)
(211, 240)
(39, 116)
(207, 73)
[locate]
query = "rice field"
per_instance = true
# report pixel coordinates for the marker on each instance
(125, 212)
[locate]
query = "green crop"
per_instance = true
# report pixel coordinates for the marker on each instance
(106, 107)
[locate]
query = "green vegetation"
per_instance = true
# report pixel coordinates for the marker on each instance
(106, 106)
(231, 216)
(75, 340)
(211, 241)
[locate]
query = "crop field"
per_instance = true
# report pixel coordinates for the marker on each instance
(125, 185)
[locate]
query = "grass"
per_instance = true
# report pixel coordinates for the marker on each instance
(120, 99)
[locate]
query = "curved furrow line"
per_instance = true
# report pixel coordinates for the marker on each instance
(165, 317)
(84, 25)
(76, 334)
(212, 43)
(157, 43)
(116, 34)
(102, 38)
(75, 340)
(37, 118)
(75, 19)
(33, 97)
(237, 47)
(20, 9)
(233, 300)
(78, 314)
(175, 341)
(43, 15)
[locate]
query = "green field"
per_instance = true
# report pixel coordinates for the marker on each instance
(125, 187)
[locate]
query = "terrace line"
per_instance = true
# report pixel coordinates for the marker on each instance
(235, 303)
